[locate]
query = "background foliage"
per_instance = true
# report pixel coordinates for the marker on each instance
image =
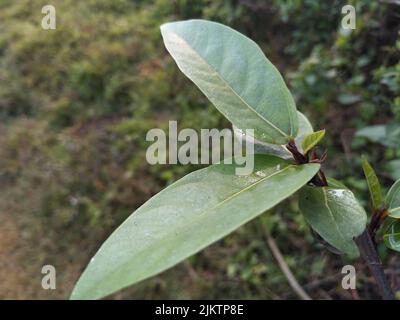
(76, 103)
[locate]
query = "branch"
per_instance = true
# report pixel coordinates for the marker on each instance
(368, 251)
(285, 268)
(364, 241)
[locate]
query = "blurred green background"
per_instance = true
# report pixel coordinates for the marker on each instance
(76, 103)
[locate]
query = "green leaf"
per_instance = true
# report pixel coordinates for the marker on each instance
(186, 217)
(336, 184)
(393, 200)
(312, 140)
(232, 71)
(348, 98)
(394, 213)
(393, 169)
(335, 215)
(387, 135)
(373, 184)
(305, 128)
(392, 236)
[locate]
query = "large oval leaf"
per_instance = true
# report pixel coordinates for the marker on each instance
(393, 200)
(186, 217)
(232, 71)
(335, 215)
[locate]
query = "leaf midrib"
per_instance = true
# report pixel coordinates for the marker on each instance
(332, 215)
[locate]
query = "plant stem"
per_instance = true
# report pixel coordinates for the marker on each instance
(367, 248)
(364, 241)
(377, 219)
(370, 255)
(298, 157)
(285, 268)
(319, 180)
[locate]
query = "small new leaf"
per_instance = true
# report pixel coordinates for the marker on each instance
(312, 140)
(393, 200)
(374, 185)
